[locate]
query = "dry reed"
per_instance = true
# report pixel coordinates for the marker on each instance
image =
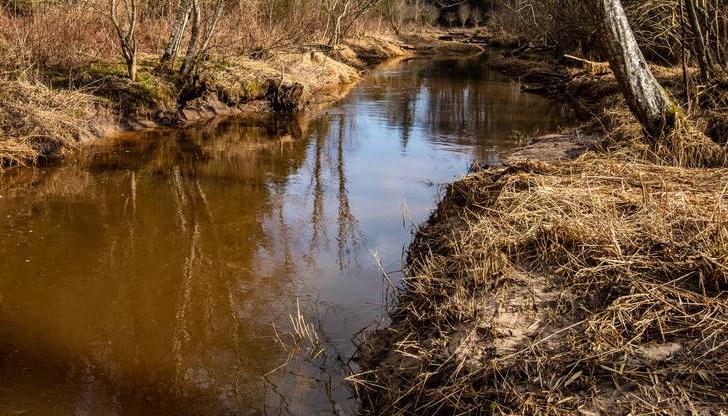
(589, 287)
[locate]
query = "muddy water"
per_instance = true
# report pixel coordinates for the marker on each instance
(153, 274)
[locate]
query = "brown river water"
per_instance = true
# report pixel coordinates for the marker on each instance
(150, 274)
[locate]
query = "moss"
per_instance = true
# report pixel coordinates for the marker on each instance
(151, 89)
(245, 90)
(224, 65)
(102, 69)
(677, 114)
(255, 90)
(154, 88)
(232, 86)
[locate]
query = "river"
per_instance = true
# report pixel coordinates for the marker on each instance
(157, 273)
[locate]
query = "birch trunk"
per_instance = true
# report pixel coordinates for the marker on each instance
(643, 93)
(187, 66)
(211, 27)
(178, 29)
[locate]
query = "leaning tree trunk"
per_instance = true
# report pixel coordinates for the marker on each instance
(643, 93)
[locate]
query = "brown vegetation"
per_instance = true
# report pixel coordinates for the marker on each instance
(595, 286)
(36, 120)
(110, 62)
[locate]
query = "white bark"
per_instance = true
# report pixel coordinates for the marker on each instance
(199, 41)
(177, 31)
(188, 66)
(644, 95)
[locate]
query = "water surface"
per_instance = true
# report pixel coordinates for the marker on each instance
(152, 274)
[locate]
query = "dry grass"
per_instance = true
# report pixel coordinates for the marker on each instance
(301, 341)
(588, 287)
(44, 112)
(37, 121)
(685, 146)
(66, 46)
(597, 96)
(42, 118)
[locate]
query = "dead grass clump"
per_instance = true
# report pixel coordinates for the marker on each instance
(586, 287)
(695, 140)
(685, 146)
(238, 80)
(371, 50)
(688, 146)
(36, 121)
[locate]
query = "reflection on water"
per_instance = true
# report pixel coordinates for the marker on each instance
(150, 274)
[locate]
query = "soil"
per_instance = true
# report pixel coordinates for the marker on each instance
(553, 147)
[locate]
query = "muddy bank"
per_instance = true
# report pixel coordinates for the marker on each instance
(43, 118)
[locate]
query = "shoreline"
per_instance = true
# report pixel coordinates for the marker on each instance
(562, 283)
(42, 121)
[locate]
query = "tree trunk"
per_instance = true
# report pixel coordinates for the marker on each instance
(127, 38)
(211, 27)
(643, 93)
(699, 41)
(177, 31)
(131, 67)
(187, 66)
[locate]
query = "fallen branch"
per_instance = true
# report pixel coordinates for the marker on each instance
(593, 66)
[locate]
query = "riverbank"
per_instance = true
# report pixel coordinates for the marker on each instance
(592, 286)
(44, 118)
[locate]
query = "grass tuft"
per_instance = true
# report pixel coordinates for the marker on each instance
(37, 121)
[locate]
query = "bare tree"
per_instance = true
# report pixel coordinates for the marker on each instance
(450, 18)
(645, 97)
(702, 53)
(707, 20)
(343, 13)
(199, 39)
(395, 11)
(191, 56)
(126, 31)
(181, 19)
(477, 15)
